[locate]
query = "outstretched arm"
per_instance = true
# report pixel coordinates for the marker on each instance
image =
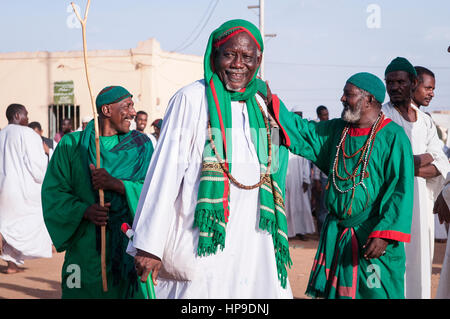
(309, 139)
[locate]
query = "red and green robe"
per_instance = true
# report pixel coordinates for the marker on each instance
(67, 192)
(384, 210)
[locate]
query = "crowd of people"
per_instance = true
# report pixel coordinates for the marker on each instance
(228, 177)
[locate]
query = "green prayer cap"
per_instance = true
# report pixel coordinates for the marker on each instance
(110, 95)
(400, 64)
(370, 83)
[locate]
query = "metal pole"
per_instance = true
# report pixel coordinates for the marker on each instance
(261, 29)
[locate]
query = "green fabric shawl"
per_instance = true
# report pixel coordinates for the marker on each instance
(127, 161)
(212, 210)
(67, 192)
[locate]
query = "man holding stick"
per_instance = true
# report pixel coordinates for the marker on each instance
(70, 199)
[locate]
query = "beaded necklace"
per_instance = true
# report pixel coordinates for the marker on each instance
(366, 151)
(263, 176)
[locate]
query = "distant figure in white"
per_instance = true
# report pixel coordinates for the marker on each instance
(23, 163)
(298, 204)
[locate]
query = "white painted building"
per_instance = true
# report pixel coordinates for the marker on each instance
(149, 73)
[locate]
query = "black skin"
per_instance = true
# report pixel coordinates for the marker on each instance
(114, 119)
(235, 62)
(400, 87)
(441, 208)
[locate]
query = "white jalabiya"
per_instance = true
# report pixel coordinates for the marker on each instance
(153, 139)
(163, 225)
(22, 168)
(440, 230)
(443, 291)
(419, 252)
(298, 205)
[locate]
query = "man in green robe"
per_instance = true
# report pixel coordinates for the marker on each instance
(369, 193)
(70, 199)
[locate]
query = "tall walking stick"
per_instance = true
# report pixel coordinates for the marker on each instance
(97, 138)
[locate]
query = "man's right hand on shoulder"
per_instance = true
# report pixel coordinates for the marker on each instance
(146, 263)
(97, 214)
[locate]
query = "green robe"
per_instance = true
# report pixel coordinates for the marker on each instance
(66, 194)
(384, 210)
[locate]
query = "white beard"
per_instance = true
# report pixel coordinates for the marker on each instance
(227, 86)
(352, 116)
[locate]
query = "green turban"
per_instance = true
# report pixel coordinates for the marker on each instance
(222, 34)
(401, 64)
(370, 83)
(110, 95)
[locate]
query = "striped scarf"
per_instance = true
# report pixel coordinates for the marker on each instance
(212, 210)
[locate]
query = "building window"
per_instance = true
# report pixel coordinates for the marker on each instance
(58, 112)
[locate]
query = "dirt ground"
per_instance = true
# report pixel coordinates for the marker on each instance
(41, 278)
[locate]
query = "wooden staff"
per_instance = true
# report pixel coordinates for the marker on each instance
(97, 138)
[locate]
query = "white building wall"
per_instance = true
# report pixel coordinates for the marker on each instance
(150, 74)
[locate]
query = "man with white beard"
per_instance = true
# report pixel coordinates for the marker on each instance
(369, 192)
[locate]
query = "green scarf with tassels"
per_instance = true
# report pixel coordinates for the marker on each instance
(212, 210)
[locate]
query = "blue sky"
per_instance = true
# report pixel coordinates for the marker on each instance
(319, 43)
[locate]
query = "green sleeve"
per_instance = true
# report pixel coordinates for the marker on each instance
(132, 193)
(310, 139)
(396, 205)
(66, 194)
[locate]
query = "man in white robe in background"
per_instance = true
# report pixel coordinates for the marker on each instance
(23, 163)
(442, 211)
(165, 240)
(423, 93)
(319, 179)
(429, 161)
(298, 204)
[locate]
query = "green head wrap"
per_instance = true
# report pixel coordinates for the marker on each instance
(400, 64)
(370, 83)
(212, 210)
(110, 95)
(222, 34)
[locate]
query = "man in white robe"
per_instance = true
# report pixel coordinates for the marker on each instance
(165, 237)
(298, 204)
(319, 178)
(423, 93)
(442, 210)
(23, 163)
(429, 161)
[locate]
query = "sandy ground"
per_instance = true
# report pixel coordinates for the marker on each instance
(41, 278)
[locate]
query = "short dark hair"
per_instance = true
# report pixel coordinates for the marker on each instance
(320, 108)
(141, 112)
(12, 110)
(35, 125)
(421, 71)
